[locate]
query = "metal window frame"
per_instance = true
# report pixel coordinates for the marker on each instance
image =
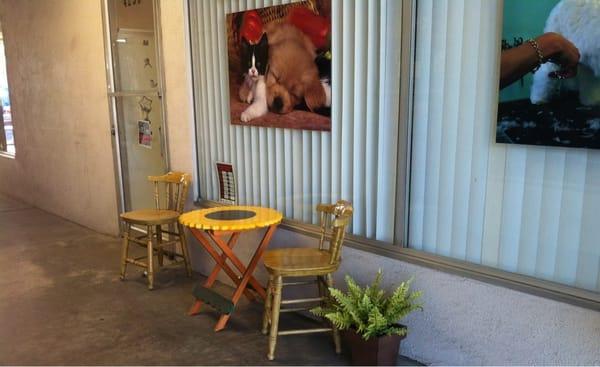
(528, 284)
(407, 67)
(523, 283)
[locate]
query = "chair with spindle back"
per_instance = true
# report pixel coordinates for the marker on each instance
(170, 192)
(319, 262)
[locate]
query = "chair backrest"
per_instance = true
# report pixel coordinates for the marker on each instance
(333, 219)
(170, 190)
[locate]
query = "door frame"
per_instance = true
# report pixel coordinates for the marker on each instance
(113, 95)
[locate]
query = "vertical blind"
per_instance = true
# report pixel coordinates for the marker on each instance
(523, 209)
(293, 170)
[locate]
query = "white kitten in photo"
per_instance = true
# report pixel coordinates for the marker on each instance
(253, 90)
(258, 96)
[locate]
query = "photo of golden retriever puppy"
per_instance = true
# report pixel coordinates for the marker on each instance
(280, 65)
(293, 76)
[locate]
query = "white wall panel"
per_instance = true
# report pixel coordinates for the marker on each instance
(293, 170)
(420, 126)
(532, 205)
(371, 119)
(389, 96)
(550, 213)
(347, 106)
(465, 128)
(519, 208)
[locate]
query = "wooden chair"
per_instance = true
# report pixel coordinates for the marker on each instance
(319, 262)
(170, 192)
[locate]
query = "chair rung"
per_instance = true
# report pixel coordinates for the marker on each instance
(172, 253)
(139, 242)
(304, 331)
(171, 233)
(138, 263)
(155, 235)
(167, 253)
(301, 300)
(300, 283)
(155, 244)
(166, 243)
(295, 309)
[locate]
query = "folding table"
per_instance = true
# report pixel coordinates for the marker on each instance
(211, 227)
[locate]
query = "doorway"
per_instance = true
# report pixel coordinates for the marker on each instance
(136, 99)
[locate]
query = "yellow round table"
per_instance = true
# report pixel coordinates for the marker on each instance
(231, 218)
(210, 227)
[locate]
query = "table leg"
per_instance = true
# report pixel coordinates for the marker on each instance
(238, 264)
(195, 309)
(248, 274)
(221, 264)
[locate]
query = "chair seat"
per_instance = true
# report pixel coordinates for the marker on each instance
(150, 216)
(299, 262)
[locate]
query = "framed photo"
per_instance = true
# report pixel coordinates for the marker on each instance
(280, 66)
(541, 108)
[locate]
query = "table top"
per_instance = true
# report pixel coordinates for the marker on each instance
(231, 218)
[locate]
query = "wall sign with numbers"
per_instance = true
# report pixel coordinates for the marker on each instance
(227, 188)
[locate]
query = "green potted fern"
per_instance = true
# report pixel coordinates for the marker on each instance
(368, 318)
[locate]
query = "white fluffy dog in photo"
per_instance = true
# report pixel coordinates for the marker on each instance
(579, 22)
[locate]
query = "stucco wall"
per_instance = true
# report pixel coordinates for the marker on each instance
(178, 87)
(55, 62)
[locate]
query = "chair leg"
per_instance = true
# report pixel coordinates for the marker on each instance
(323, 292)
(336, 332)
(184, 249)
(159, 249)
(150, 261)
(277, 285)
(124, 250)
(268, 301)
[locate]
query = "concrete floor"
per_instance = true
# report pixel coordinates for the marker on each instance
(61, 302)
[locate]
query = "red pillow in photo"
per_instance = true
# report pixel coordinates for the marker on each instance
(252, 27)
(314, 26)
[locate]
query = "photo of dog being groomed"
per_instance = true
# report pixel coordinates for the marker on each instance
(280, 66)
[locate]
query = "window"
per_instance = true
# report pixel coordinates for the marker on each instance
(524, 210)
(7, 139)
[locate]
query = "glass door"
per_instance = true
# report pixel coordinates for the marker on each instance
(136, 98)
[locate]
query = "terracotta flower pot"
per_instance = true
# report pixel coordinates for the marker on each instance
(380, 351)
